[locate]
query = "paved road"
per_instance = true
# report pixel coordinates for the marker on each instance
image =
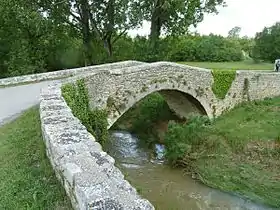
(14, 100)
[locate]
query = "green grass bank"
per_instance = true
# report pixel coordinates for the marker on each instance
(238, 152)
(239, 65)
(27, 178)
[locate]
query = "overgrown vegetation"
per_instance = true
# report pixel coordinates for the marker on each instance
(76, 96)
(222, 82)
(238, 152)
(28, 180)
(143, 117)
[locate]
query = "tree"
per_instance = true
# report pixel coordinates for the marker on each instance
(234, 32)
(113, 18)
(175, 16)
(104, 20)
(267, 43)
(23, 35)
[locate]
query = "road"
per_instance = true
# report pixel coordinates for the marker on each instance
(14, 100)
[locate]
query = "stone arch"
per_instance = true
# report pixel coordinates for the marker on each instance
(118, 90)
(183, 103)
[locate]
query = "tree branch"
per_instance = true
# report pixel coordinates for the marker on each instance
(60, 2)
(75, 16)
(94, 26)
(122, 33)
(73, 25)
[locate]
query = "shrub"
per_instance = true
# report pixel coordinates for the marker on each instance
(76, 96)
(182, 139)
(145, 114)
(205, 48)
(222, 82)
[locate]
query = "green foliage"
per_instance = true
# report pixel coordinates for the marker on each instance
(32, 43)
(76, 96)
(29, 181)
(145, 114)
(222, 82)
(181, 140)
(205, 48)
(267, 44)
(175, 17)
(98, 122)
(233, 152)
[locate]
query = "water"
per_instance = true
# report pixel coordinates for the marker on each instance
(168, 188)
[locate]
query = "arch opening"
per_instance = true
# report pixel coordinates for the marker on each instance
(160, 107)
(183, 104)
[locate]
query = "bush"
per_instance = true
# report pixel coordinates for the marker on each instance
(205, 48)
(67, 52)
(222, 82)
(145, 114)
(76, 96)
(182, 139)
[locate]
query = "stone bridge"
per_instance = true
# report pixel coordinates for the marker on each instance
(187, 90)
(88, 174)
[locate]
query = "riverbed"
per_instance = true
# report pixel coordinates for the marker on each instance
(165, 187)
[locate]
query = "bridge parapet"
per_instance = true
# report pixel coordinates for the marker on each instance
(65, 73)
(88, 174)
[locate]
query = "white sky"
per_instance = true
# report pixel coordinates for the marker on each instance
(251, 15)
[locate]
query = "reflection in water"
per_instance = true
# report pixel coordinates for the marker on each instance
(166, 188)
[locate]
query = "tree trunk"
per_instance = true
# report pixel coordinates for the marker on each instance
(110, 27)
(156, 23)
(108, 46)
(84, 10)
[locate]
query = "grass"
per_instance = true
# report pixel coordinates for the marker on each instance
(240, 152)
(241, 65)
(27, 178)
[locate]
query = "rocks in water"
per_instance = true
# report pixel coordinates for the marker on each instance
(159, 150)
(128, 165)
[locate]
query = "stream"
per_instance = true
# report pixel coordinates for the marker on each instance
(167, 188)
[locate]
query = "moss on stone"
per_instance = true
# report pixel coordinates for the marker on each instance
(122, 106)
(199, 92)
(246, 89)
(110, 102)
(222, 82)
(144, 89)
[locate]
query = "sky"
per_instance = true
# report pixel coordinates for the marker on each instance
(251, 15)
